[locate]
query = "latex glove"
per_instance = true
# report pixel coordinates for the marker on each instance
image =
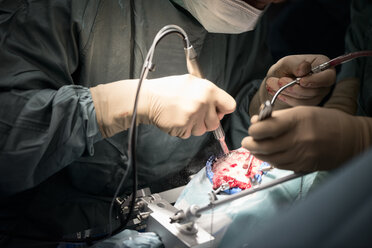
(179, 105)
(308, 138)
(345, 96)
(311, 90)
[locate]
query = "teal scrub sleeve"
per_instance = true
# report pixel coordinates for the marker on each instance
(46, 119)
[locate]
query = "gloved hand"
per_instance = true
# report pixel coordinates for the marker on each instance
(311, 90)
(308, 138)
(179, 105)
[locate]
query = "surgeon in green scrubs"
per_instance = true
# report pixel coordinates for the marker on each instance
(66, 98)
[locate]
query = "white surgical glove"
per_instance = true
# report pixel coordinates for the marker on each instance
(179, 105)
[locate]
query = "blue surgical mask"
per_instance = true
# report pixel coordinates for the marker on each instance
(224, 16)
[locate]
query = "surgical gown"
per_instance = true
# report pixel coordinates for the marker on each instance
(57, 174)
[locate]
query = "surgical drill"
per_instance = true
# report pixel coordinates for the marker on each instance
(194, 69)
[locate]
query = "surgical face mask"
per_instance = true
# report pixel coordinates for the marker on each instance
(224, 16)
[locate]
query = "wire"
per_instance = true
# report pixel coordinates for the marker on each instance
(133, 132)
(131, 156)
(347, 57)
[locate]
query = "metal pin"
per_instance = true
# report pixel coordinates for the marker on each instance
(249, 163)
(219, 134)
(224, 186)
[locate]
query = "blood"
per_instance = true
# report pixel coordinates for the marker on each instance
(232, 182)
(230, 169)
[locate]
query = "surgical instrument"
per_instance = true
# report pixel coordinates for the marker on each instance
(132, 136)
(194, 69)
(194, 212)
(249, 163)
(219, 134)
(266, 108)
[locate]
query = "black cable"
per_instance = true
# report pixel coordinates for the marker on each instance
(134, 172)
(133, 131)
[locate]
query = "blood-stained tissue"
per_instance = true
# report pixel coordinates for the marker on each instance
(238, 169)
